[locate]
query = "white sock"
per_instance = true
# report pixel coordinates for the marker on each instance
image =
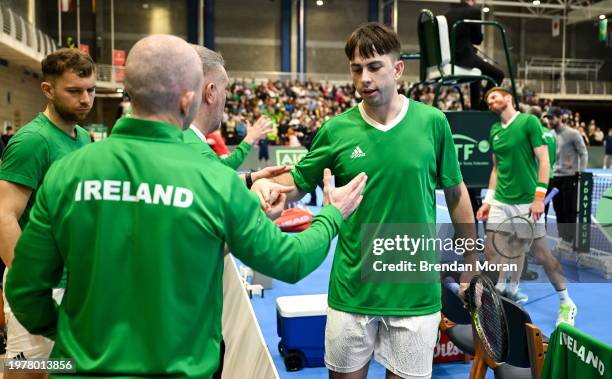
(564, 296)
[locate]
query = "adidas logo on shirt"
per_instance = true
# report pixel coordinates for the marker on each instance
(357, 153)
(496, 137)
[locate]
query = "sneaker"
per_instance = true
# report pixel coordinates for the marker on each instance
(517, 296)
(563, 245)
(567, 313)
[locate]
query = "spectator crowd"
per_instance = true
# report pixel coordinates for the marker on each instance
(299, 108)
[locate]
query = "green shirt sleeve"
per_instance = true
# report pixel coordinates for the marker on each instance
(308, 173)
(449, 173)
(238, 155)
(25, 160)
(36, 270)
(534, 130)
(260, 244)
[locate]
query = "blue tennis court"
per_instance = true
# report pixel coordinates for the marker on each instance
(593, 313)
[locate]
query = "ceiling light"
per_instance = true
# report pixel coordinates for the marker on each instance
(602, 16)
(486, 9)
(536, 2)
(319, 2)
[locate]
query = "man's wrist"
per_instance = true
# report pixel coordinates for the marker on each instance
(540, 192)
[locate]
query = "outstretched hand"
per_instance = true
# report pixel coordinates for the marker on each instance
(346, 198)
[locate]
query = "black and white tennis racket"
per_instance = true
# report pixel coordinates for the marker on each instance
(488, 317)
(515, 235)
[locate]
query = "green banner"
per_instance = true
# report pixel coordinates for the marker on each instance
(289, 157)
(585, 194)
(471, 137)
(573, 354)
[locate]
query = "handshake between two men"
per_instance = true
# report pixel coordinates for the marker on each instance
(275, 188)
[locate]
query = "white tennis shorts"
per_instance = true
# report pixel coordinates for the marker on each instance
(20, 344)
(500, 212)
(404, 345)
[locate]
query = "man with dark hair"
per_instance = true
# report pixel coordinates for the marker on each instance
(69, 83)
(394, 320)
(142, 235)
(465, 53)
(572, 157)
(517, 186)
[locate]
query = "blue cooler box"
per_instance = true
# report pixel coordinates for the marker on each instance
(300, 323)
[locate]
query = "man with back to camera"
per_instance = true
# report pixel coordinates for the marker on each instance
(69, 82)
(465, 53)
(517, 186)
(572, 157)
(169, 212)
(389, 320)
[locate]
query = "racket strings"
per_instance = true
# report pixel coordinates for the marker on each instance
(513, 236)
(493, 326)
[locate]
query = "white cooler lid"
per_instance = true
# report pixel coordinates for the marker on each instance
(302, 306)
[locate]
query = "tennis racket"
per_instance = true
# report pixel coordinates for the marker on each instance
(515, 235)
(488, 317)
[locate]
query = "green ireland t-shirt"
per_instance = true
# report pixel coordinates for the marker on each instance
(31, 152)
(405, 161)
(517, 168)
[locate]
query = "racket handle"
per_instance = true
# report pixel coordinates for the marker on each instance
(553, 192)
(451, 285)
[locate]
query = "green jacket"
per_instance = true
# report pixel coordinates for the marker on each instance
(234, 160)
(139, 222)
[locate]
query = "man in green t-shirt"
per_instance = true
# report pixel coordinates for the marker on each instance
(406, 149)
(141, 235)
(69, 85)
(517, 186)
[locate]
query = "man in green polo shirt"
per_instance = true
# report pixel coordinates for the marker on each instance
(517, 186)
(69, 86)
(407, 150)
(141, 235)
